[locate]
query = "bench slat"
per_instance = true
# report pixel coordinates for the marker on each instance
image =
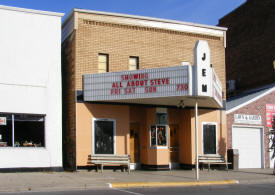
(109, 160)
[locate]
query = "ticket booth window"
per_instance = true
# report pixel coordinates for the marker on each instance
(158, 134)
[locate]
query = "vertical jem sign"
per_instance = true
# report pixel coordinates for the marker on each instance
(203, 70)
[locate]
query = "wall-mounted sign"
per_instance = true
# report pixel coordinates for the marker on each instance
(270, 114)
(248, 119)
(203, 71)
(3, 121)
(216, 88)
(145, 83)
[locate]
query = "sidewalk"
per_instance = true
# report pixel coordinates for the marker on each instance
(56, 181)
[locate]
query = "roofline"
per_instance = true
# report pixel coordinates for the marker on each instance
(31, 11)
(250, 101)
(143, 18)
(234, 10)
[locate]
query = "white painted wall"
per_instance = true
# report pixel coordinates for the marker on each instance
(30, 80)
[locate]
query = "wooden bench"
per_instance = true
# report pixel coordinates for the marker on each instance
(103, 159)
(213, 159)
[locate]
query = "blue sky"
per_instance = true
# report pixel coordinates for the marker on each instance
(197, 11)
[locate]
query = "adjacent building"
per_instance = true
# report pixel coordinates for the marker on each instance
(30, 87)
(250, 51)
(249, 120)
(130, 86)
(250, 73)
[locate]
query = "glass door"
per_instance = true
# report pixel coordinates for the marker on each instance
(103, 136)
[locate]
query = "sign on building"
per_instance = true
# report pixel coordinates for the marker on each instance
(248, 119)
(270, 114)
(202, 69)
(3, 121)
(145, 83)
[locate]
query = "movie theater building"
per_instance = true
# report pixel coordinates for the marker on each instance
(131, 84)
(30, 88)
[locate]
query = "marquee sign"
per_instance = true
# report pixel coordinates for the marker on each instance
(145, 83)
(174, 81)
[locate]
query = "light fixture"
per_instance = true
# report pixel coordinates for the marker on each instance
(181, 104)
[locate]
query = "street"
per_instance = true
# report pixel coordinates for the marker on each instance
(252, 189)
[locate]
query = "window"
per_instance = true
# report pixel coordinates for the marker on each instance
(133, 63)
(158, 135)
(104, 136)
(209, 139)
(5, 130)
(161, 116)
(22, 130)
(103, 63)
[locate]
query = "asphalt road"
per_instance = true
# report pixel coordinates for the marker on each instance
(261, 189)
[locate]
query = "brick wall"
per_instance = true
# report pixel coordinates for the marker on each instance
(154, 47)
(68, 99)
(250, 48)
(255, 108)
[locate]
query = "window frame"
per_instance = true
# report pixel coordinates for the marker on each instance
(107, 61)
(167, 137)
(202, 140)
(137, 60)
(93, 134)
(13, 131)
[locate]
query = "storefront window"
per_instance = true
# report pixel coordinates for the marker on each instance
(158, 135)
(28, 130)
(5, 130)
(22, 130)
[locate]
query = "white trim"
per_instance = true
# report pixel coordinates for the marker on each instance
(33, 11)
(262, 140)
(209, 123)
(167, 137)
(151, 22)
(93, 131)
(148, 18)
(250, 101)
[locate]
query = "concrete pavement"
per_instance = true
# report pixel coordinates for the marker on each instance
(56, 181)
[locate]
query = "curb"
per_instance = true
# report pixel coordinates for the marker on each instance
(171, 184)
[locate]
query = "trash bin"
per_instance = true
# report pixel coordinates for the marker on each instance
(233, 158)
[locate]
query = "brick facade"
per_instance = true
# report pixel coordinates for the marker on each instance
(155, 47)
(250, 51)
(69, 99)
(254, 108)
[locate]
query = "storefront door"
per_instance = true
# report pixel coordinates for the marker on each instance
(134, 142)
(104, 136)
(174, 143)
(209, 139)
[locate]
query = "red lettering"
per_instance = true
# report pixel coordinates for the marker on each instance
(130, 90)
(115, 91)
(151, 89)
(182, 87)
(145, 82)
(128, 84)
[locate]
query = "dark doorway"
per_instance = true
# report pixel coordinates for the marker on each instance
(103, 137)
(209, 139)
